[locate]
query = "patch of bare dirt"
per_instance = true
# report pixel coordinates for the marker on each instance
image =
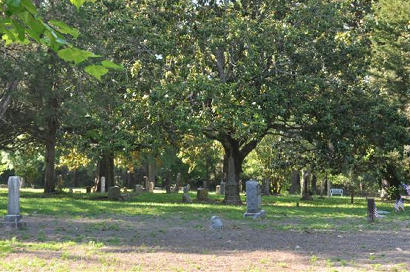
(175, 244)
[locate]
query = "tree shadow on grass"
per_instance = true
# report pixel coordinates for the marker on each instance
(142, 234)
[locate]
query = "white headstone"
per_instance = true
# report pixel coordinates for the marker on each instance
(102, 184)
(218, 189)
(151, 187)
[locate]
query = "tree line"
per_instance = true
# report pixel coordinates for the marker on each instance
(210, 89)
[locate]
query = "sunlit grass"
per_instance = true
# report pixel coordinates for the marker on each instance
(282, 213)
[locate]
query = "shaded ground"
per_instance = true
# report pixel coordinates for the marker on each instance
(177, 243)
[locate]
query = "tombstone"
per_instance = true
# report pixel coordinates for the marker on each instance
(399, 205)
(102, 187)
(13, 217)
(139, 188)
(70, 190)
(253, 199)
(175, 188)
(216, 223)
(118, 181)
(146, 183)
(60, 183)
(22, 183)
(218, 189)
(266, 187)
(151, 187)
(185, 197)
(114, 193)
(167, 185)
(222, 188)
(202, 194)
(178, 183)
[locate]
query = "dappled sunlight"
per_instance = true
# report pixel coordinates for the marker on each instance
(89, 232)
(328, 213)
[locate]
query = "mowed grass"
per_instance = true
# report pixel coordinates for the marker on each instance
(90, 243)
(334, 213)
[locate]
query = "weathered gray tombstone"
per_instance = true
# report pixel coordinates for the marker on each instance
(60, 183)
(253, 200)
(102, 189)
(218, 189)
(266, 186)
(13, 217)
(178, 183)
(146, 183)
(139, 188)
(185, 196)
(222, 188)
(216, 223)
(117, 181)
(114, 193)
(202, 194)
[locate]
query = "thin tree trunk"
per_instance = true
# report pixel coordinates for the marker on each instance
(295, 187)
(75, 180)
(328, 186)
(151, 171)
(305, 180)
(314, 184)
(352, 183)
(51, 139)
(352, 195)
(322, 187)
(50, 156)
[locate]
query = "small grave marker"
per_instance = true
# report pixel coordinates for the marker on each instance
(202, 194)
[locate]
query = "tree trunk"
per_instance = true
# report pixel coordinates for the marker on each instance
(352, 195)
(106, 169)
(305, 180)
(322, 187)
(151, 171)
(314, 184)
(50, 156)
(295, 187)
(328, 186)
(75, 180)
(233, 170)
(232, 183)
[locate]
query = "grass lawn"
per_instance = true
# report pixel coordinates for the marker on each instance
(72, 232)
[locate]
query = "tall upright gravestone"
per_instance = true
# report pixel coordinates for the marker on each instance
(222, 188)
(253, 200)
(13, 217)
(102, 184)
